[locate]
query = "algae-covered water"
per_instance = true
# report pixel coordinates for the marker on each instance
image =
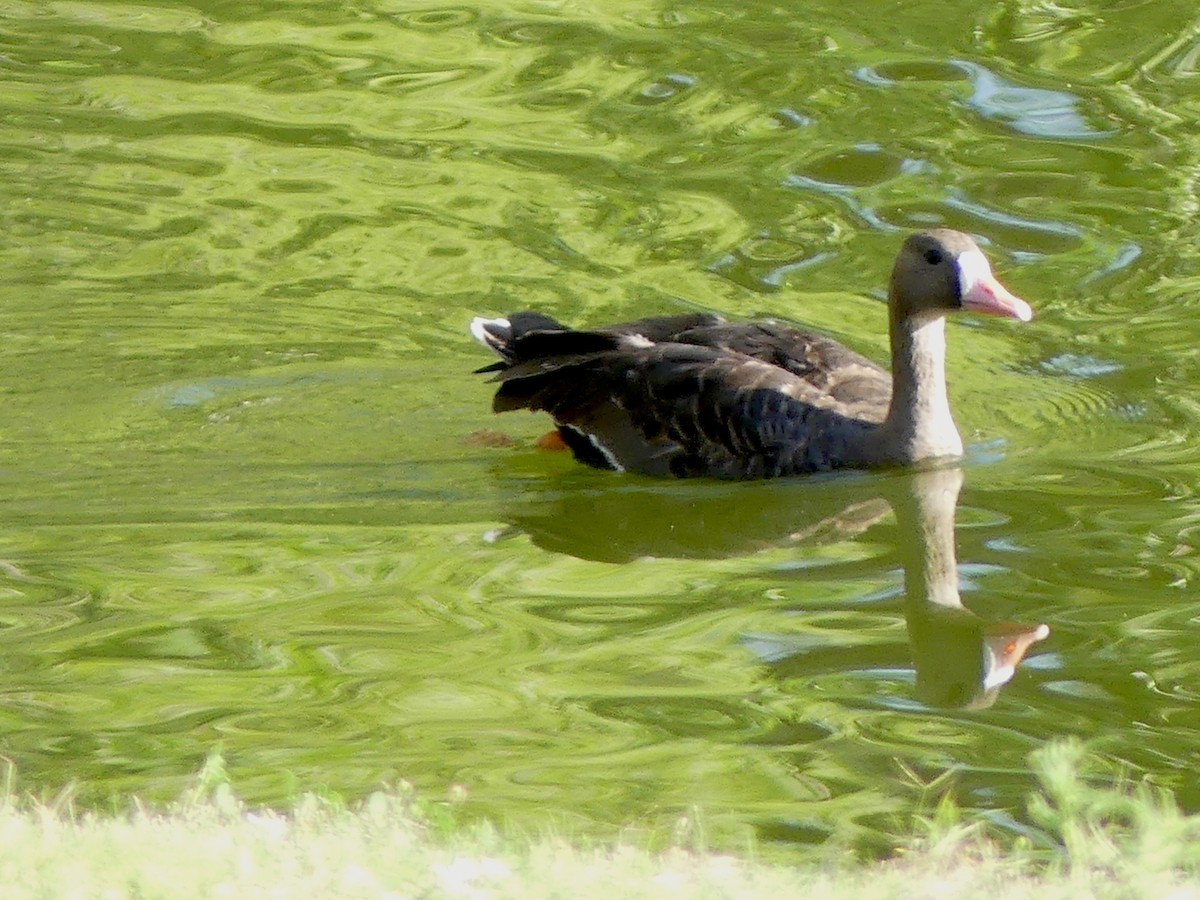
(252, 496)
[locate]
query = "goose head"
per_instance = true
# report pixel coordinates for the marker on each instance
(936, 272)
(942, 271)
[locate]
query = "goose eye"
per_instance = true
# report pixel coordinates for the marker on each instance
(933, 256)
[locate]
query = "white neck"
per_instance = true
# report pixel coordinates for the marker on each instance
(919, 424)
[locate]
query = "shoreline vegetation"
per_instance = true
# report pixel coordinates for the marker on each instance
(1096, 832)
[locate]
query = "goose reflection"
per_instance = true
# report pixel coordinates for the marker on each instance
(960, 659)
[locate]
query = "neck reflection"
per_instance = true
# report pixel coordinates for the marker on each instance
(961, 660)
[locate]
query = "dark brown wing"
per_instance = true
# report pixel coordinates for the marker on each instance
(836, 371)
(685, 408)
(663, 329)
(526, 335)
(841, 374)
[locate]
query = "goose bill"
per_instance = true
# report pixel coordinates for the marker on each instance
(982, 293)
(1004, 648)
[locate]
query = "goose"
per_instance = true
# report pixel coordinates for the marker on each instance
(693, 395)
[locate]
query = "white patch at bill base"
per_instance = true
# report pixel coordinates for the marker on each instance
(972, 269)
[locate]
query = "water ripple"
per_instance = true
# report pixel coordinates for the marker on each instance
(243, 502)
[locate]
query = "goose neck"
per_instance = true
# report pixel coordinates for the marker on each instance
(919, 421)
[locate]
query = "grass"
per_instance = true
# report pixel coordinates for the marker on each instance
(1094, 836)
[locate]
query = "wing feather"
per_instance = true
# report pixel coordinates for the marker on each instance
(687, 407)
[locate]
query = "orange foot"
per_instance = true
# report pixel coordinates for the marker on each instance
(551, 440)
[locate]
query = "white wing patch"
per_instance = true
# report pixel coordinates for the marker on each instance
(636, 341)
(600, 448)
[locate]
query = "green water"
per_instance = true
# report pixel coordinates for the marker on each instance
(241, 497)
